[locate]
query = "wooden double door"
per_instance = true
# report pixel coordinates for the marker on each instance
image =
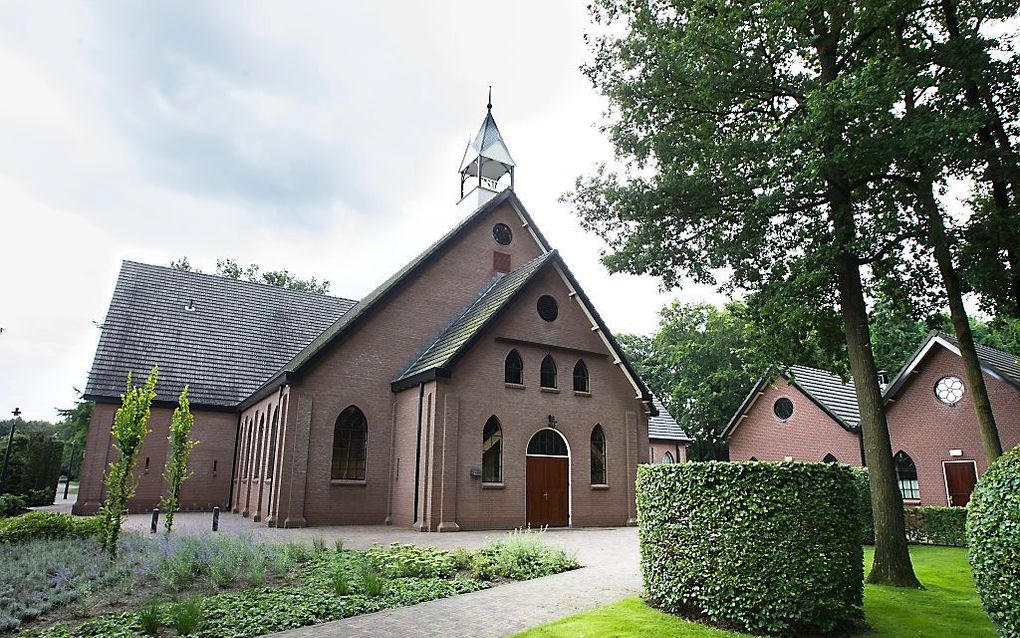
(548, 491)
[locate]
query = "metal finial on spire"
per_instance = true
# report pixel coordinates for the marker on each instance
(489, 105)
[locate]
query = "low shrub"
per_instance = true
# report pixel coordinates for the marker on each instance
(401, 561)
(372, 582)
(40, 497)
(186, 617)
(223, 561)
(520, 555)
(12, 505)
(150, 618)
(993, 536)
(930, 525)
(48, 525)
(768, 548)
(341, 583)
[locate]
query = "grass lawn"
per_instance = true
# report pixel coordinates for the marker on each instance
(948, 607)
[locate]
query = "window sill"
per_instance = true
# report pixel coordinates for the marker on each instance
(515, 386)
(914, 502)
(492, 486)
(581, 393)
(351, 482)
(600, 486)
(551, 390)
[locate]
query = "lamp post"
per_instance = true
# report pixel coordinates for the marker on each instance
(7, 454)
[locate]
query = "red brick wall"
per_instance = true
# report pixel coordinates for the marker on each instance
(477, 386)
(657, 449)
(808, 435)
(358, 372)
(927, 429)
(205, 489)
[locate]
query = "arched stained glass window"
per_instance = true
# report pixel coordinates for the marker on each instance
(548, 373)
(581, 377)
(906, 476)
(513, 368)
(492, 451)
(350, 445)
(598, 456)
(667, 458)
(547, 443)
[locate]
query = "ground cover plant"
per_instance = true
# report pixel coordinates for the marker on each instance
(221, 585)
(948, 606)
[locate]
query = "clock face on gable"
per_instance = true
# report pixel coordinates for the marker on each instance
(502, 234)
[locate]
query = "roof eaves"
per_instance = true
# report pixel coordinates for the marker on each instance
(792, 380)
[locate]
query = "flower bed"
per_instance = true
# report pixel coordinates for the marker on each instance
(221, 585)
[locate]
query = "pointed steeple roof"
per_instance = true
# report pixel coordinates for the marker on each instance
(487, 149)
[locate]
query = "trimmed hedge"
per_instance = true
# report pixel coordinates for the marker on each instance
(52, 525)
(35, 468)
(864, 503)
(993, 535)
(768, 548)
(930, 525)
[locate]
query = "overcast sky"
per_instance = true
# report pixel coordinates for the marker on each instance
(308, 136)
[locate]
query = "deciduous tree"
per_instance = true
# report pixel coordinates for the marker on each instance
(181, 445)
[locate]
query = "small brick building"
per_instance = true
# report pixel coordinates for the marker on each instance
(806, 414)
(475, 388)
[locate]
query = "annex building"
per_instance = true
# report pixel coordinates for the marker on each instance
(807, 414)
(477, 387)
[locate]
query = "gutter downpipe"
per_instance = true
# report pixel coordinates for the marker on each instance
(417, 453)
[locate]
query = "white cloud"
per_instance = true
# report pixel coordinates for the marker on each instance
(320, 137)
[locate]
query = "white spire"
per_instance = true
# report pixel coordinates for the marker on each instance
(485, 164)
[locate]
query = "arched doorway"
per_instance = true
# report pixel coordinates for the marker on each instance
(548, 480)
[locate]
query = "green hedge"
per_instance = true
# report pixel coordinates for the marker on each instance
(993, 535)
(37, 525)
(35, 468)
(927, 525)
(931, 525)
(769, 548)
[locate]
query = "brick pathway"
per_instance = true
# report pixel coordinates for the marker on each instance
(610, 556)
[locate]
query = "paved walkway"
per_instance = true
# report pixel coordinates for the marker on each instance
(610, 557)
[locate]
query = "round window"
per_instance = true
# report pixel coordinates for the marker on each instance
(502, 234)
(949, 390)
(783, 408)
(547, 308)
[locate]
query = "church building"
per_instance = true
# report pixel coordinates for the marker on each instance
(475, 388)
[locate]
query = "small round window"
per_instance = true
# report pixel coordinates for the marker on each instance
(502, 234)
(547, 308)
(949, 390)
(783, 408)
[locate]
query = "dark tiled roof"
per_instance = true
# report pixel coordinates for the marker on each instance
(364, 307)
(827, 389)
(664, 427)
(236, 337)
(455, 337)
(1003, 363)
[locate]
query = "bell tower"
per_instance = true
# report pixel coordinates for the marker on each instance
(486, 165)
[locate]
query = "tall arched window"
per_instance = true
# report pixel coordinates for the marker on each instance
(598, 456)
(906, 476)
(350, 445)
(492, 451)
(245, 447)
(513, 368)
(548, 373)
(667, 457)
(259, 441)
(273, 430)
(580, 377)
(830, 459)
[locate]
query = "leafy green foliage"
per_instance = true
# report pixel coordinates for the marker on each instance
(73, 430)
(711, 533)
(181, 445)
(993, 535)
(401, 560)
(280, 278)
(34, 467)
(520, 555)
(12, 505)
(150, 618)
(372, 582)
(186, 617)
(341, 581)
(49, 525)
(222, 561)
(931, 525)
(130, 426)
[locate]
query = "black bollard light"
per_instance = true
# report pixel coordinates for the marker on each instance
(215, 519)
(155, 520)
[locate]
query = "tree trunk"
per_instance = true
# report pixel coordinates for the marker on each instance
(1003, 171)
(961, 324)
(892, 564)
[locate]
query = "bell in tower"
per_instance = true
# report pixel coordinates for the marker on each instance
(487, 167)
